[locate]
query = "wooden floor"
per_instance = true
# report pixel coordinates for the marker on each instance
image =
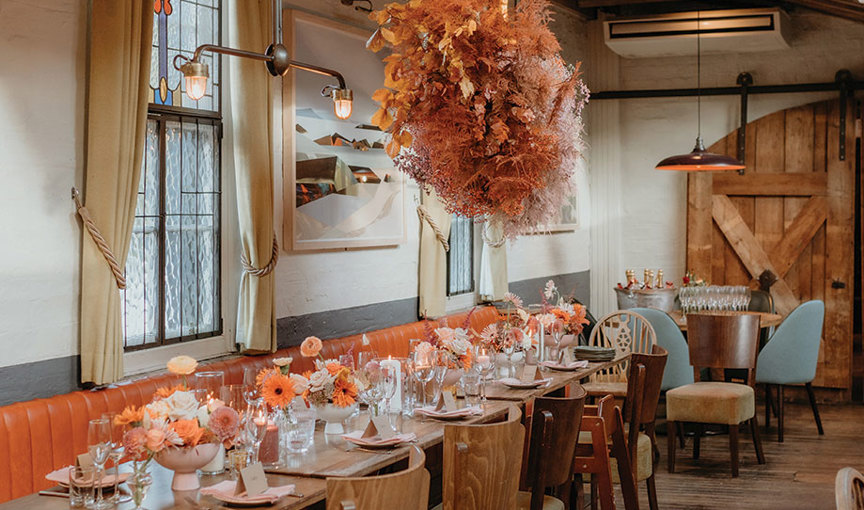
(799, 473)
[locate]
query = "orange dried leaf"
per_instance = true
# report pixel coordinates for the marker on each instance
(376, 42)
(393, 148)
(382, 119)
(382, 95)
(388, 35)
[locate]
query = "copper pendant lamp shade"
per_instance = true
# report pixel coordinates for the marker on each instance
(699, 160)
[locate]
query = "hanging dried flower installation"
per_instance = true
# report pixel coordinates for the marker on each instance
(487, 110)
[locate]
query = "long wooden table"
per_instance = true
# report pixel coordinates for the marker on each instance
(330, 455)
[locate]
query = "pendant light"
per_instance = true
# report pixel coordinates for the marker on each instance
(699, 159)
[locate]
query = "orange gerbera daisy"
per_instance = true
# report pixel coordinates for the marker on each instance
(278, 390)
(129, 416)
(561, 314)
(344, 392)
(189, 431)
(264, 374)
(166, 392)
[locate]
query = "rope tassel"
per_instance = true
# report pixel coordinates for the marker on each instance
(90, 225)
(262, 271)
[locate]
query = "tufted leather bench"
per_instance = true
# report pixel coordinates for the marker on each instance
(39, 436)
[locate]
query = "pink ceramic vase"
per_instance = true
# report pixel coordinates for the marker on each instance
(185, 462)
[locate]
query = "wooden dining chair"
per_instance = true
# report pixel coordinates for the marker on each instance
(718, 341)
(849, 489)
(408, 489)
(626, 331)
(482, 464)
(601, 439)
(554, 431)
(640, 410)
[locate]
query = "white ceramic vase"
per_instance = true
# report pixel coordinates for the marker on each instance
(185, 462)
(333, 416)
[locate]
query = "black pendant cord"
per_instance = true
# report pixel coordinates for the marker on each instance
(698, 75)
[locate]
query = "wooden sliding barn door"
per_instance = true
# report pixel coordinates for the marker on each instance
(791, 214)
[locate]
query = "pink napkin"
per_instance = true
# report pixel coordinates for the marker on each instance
(61, 476)
(512, 381)
(357, 438)
(570, 366)
(224, 491)
(459, 413)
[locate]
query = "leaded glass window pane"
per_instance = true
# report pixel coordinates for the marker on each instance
(460, 258)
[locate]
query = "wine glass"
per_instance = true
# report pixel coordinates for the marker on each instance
(485, 361)
(388, 387)
(116, 454)
(442, 365)
(256, 425)
(423, 369)
(369, 373)
(557, 336)
(99, 447)
(250, 385)
(508, 347)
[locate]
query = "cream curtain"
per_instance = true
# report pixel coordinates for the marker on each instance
(493, 265)
(252, 128)
(433, 257)
(119, 66)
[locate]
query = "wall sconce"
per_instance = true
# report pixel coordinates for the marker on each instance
(278, 63)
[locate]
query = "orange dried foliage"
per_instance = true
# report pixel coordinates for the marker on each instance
(489, 110)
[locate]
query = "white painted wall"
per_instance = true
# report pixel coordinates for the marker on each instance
(42, 56)
(653, 209)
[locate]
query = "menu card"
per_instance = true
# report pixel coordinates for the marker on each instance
(252, 480)
(446, 402)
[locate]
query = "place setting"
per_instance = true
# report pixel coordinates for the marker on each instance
(377, 436)
(251, 489)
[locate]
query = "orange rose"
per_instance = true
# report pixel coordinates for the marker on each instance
(129, 416)
(189, 431)
(334, 368)
(155, 440)
(182, 365)
(311, 346)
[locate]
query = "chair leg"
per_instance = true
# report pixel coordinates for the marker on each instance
(768, 405)
(652, 493)
(671, 430)
(780, 413)
(697, 441)
(733, 448)
(812, 397)
(757, 441)
(681, 434)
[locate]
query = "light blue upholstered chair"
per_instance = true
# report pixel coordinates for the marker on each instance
(678, 371)
(790, 357)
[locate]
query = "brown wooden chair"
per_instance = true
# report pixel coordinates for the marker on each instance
(718, 341)
(603, 433)
(408, 489)
(627, 332)
(849, 489)
(640, 410)
(482, 464)
(554, 431)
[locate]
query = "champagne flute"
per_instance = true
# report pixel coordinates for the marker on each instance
(99, 447)
(442, 364)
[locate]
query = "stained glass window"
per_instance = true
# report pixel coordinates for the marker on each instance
(173, 268)
(460, 258)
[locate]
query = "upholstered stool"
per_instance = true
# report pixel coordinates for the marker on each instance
(711, 402)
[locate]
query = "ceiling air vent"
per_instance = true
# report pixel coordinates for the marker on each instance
(726, 31)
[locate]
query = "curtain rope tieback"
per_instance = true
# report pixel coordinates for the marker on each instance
(424, 215)
(262, 271)
(90, 225)
(492, 244)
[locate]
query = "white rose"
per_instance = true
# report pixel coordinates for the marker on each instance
(182, 405)
(159, 409)
(460, 346)
(203, 416)
(283, 362)
(318, 380)
(301, 384)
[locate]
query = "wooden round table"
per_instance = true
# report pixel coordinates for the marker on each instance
(767, 320)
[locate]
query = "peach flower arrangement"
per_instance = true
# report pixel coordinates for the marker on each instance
(176, 419)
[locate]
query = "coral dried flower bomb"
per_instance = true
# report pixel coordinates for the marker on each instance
(311, 346)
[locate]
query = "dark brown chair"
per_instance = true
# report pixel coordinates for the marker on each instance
(718, 341)
(602, 435)
(640, 410)
(555, 427)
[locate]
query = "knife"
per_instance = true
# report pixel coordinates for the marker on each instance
(57, 494)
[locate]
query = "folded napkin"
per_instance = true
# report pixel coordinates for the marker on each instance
(512, 381)
(464, 412)
(570, 366)
(357, 438)
(224, 491)
(61, 476)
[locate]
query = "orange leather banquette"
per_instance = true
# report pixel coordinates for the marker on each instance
(39, 436)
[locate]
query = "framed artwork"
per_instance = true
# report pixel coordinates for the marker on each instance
(569, 219)
(340, 188)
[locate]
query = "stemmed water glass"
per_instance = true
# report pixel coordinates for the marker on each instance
(557, 336)
(369, 373)
(442, 364)
(485, 362)
(115, 455)
(99, 447)
(508, 347)
(256, 426)
(423, 368)
(250, 385)
(388, 387)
